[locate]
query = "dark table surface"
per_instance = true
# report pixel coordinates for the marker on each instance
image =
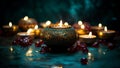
(30, 57)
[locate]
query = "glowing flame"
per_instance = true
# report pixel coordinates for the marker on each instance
(60, 24)
(10, 24)
(90, 34)
(36, 27)
(101, 33)
(48, 23)
(82, 26)
(66, 24)
(80, 23)
(99, 25)
(105, 28)
(26, 18)
(29, 31)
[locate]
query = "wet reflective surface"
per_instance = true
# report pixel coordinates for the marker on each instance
(30, 57)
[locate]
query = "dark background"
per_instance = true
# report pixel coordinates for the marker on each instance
(92, 11)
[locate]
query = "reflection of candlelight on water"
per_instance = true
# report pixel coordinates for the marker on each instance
(11, 49)
(90, 56)
(57, 66)
(29, 52)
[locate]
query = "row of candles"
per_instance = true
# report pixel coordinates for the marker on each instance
(98, 31)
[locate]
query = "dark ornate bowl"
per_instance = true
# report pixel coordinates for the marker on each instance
(59, 39)
(24, 25)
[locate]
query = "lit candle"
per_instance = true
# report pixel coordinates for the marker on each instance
(26, 23)
(46, 24)
(82, 30)
(99, 27)
(106, 33)
(61, 25)
(37, 31)
(87, 38)
(96, 29)
(28, 33)
(10, 29)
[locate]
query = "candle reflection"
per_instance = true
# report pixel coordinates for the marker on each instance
(90, 56)
(29, 52)
(11, 49)
(57, 66)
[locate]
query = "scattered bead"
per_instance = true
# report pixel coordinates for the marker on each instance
(84, 61)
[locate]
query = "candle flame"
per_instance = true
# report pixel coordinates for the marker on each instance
(29, 31)
(90, 34)
(10, 24)
(99, 25)
(80, 23)
(82, 26)
(105, 28)
(48, 23)
(66, 24)
(26, 18)
(36, 27)
(60, 24)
